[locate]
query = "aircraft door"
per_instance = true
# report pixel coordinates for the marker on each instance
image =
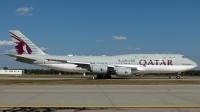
(160, 59)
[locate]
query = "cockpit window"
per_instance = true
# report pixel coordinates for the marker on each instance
(183, 56)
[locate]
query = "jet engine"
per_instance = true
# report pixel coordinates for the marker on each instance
(99, 69)
(126, 72)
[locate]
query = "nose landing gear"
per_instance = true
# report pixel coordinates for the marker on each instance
(178, 75)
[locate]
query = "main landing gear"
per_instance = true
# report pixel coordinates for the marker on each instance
(107, 76)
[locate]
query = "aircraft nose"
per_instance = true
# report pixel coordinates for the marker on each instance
(194, 65)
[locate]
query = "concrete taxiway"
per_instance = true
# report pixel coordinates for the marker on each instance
(101, 96)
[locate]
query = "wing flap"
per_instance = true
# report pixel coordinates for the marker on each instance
(133, 68)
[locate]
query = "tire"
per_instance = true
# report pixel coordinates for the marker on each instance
(109, 77)
(97, 76)
(177, 77)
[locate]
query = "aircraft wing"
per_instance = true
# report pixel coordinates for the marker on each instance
(72, 62)
(80, 64)
(85, 64)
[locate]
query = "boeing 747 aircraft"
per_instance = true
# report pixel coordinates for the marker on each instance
(103, 66)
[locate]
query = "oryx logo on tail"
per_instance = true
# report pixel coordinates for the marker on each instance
(20, 46)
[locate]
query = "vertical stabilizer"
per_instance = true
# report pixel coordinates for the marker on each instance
(23, 45)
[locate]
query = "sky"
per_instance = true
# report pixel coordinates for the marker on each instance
(102, 27)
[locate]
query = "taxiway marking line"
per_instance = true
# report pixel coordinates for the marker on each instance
(104, 106)
(100, 90)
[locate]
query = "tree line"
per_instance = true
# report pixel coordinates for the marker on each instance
(44, 71)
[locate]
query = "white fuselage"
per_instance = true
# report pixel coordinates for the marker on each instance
(149, 63)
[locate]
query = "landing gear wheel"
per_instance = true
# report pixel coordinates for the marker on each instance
(101, 76)
(178, 77)
(97, 77)
(107, 77)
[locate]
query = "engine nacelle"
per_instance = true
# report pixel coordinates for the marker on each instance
(99, 69)
(126, 72)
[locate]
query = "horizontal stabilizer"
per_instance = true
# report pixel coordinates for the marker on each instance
(21, 58)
